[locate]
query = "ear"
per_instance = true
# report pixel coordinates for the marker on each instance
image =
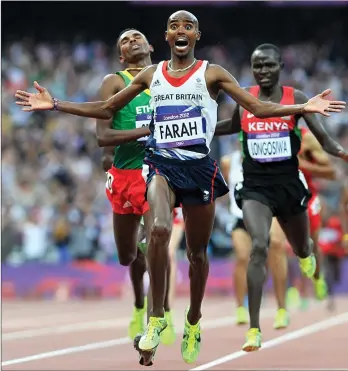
(198, 35)
(151, 48)
(165, 36)
(122, 60)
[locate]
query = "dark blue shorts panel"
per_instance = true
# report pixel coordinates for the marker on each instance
(194, 182)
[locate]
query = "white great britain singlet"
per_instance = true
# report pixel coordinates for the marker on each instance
(185, 115)
(235, 176)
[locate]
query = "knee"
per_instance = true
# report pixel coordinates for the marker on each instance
(126, 256)
(197, 257)
(259, 249)
(277, 244)
(242, 259)
(161, 231)
(126, 259)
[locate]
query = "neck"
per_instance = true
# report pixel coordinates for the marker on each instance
(144, 62)
(178, 62)
(269, 92)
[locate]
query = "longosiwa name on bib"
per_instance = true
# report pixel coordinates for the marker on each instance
(269, 147)
(184, 114)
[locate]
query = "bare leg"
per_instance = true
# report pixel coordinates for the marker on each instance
(199, 221)
(177, 233)
(278, 263)
(161, 200)
(126, 235)
(317, 253)
(242, 248)
(257, 219)
(296, 229)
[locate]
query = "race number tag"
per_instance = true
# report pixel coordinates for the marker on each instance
(315, 206)
(303, 179)
(109, 181)
(143, 120)
(269, 147)
(173, 130)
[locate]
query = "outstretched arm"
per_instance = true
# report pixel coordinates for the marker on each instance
(329, 144)
(106, 136)
(101, 110)
(229, 126)
(226, 82)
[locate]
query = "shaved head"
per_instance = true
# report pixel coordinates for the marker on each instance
(183, 15)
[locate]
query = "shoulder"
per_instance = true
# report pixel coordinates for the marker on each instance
(112, 78)
(110, 85)
(148, 72)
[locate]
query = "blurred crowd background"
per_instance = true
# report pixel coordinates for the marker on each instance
(54, 207)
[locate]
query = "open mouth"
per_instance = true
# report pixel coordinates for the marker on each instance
(181, 43)
(135, 47)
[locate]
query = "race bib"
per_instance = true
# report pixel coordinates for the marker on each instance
(143, 120)
(269, 147)
(173, 130)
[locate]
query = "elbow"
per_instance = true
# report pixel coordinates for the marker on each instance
(106, 112)
(258, 111)
(101, 141)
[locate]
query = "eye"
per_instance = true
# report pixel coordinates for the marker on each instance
(188, 27)
(173, 27)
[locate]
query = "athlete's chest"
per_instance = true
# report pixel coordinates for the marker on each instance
(191, 93)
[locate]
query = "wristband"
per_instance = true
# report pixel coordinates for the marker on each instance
(55, 104)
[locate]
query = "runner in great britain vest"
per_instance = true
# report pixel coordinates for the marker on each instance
(184, 122)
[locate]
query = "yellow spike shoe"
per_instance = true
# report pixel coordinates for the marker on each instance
(168, 336)
(191, 341)
(308, 266)
(242, 316)
(136, 324)
(281, 319)
(253, 340)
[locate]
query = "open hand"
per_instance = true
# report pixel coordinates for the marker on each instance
(40, 101)
(319, 104)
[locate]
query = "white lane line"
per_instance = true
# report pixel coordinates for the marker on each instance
(308, 330)
(92, 325)
(208, 324)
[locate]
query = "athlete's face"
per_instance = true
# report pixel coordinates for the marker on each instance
(182, 32)
(133, 45)
(266, 67)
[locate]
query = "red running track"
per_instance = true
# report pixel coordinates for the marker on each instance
(92, 336)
